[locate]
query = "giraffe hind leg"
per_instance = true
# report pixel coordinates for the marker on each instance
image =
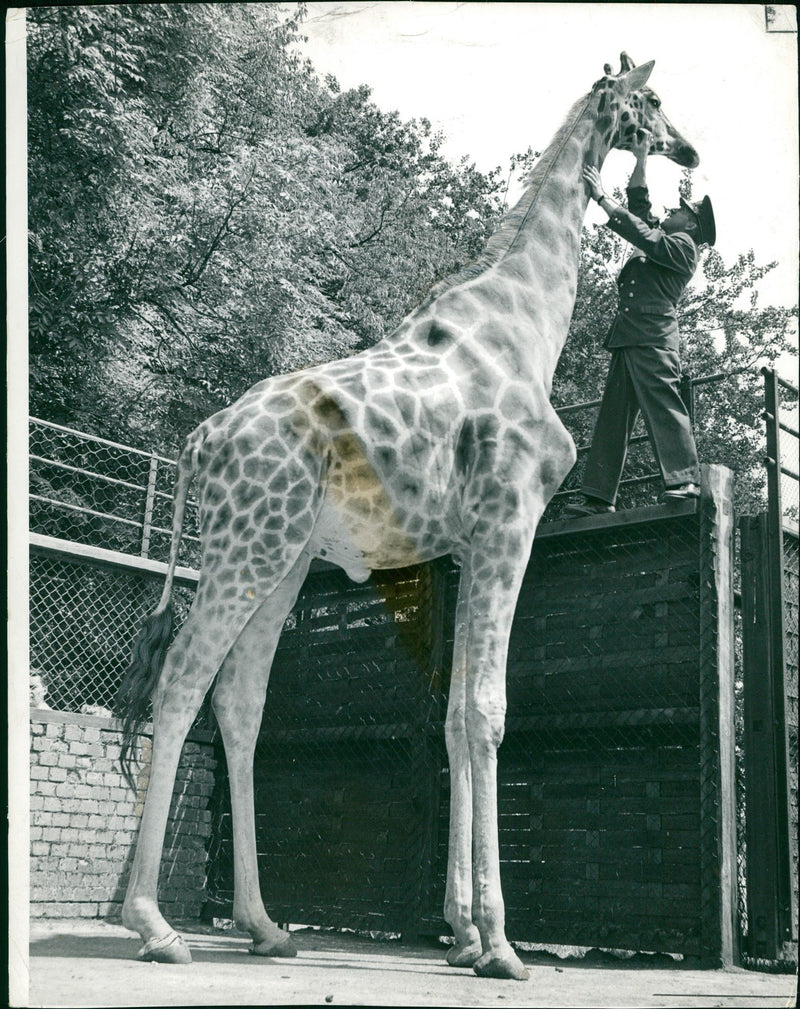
(190, 666)
(238, 703)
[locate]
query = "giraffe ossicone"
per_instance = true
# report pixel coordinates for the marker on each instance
(440, 439)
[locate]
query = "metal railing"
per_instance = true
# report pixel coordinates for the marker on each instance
(95, 491)
(642, 484)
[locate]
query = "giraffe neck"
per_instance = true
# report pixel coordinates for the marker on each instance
(543, 251)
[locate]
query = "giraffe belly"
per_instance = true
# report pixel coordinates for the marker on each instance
(361, 544)
(332, 542)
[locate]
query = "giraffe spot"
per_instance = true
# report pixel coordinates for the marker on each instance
(222, 518)
(255, 468)
(232, 472)
(465, 447)
(513, 405)
(603, 123)
(410, 487)
(221, 457)
(297, 533)
(548, 473)
(407, 404)
(438, 335)
(359, 506)
(214, 494)
(245, 494)
(239, 525)
(486, 428)
(381, 425)
(387, 457)
(261, 512)
(330, 413)
(279, 484)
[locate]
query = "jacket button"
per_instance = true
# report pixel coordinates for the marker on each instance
(631, 294)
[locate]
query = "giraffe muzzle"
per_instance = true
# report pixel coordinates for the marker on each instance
(686, 156)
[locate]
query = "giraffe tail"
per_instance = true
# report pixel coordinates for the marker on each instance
(132, 702)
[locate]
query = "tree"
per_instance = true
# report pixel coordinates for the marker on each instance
(226, 214)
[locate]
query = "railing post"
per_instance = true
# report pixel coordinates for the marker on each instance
(147, 524)
(687, 395)
(777, 609)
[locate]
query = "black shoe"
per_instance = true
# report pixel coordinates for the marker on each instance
(596, 507)
(686, 490)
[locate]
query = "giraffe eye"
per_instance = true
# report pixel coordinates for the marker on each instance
(655, 102)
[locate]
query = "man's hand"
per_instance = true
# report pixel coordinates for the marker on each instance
(592, 178)
(640, 146)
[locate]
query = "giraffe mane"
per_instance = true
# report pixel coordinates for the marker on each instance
(507, 230)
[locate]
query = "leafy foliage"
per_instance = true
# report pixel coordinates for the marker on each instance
(206, 212)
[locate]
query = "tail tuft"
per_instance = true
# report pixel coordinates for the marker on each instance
(133, 697)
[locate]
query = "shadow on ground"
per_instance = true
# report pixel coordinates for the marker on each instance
(210, 945)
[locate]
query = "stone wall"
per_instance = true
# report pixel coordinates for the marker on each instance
(84, 819)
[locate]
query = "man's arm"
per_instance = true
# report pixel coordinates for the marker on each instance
(641, 148)
(638, 196)
(675, 252)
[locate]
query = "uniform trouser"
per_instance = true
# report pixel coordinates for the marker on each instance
(646, 379)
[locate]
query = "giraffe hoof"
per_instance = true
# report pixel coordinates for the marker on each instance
(509, 967)
(170, 949)
(464, 956)
(284, 948)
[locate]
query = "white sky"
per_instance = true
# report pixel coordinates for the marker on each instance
(498, 77)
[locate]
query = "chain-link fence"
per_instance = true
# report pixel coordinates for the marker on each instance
(84, 617)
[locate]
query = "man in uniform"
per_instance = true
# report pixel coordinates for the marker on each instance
(645, 368)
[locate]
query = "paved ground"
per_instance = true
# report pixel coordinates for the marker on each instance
(91, 964)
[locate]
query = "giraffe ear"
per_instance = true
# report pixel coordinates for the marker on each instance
(636, 78)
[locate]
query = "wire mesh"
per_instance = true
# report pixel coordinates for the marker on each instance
(83, 620)
(790, 653)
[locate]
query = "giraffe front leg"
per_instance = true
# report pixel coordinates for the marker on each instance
(491, 613)
(458, 894)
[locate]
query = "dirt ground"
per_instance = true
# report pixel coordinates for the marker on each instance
(80, 963)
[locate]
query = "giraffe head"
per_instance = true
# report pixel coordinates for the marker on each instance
(626, 105)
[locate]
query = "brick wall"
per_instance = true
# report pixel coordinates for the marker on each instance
(84, 819)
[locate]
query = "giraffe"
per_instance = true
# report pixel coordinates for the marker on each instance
(440, 439)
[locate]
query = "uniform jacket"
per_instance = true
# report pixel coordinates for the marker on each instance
(652, 281)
